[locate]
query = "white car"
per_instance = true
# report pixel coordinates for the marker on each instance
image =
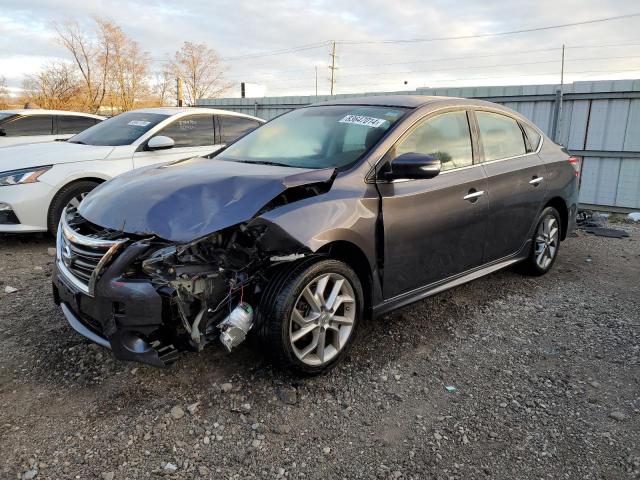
(18, 127)
(38, 181)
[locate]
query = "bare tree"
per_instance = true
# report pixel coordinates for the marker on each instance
(129, 67)
(162, 88)
(110, 63)
(92, 57)
(56, 86)
(201, 71)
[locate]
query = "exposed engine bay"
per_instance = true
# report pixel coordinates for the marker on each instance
(216, 281)
(205, 290)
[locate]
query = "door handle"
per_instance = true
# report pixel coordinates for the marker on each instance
(535, 181)
(473, 195)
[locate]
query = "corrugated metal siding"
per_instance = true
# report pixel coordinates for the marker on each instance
(594, 124)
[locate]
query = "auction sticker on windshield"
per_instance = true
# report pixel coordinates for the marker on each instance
(138, 123)
(362, 120)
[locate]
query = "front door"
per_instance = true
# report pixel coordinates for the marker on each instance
(194, 136)
(435, 228)
(516, 177)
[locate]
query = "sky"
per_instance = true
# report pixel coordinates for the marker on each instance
(251, 36)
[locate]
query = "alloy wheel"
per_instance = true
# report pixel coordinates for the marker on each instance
(322, 319)
(546, 242)
(77, 200)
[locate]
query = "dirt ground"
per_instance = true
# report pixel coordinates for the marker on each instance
(508, 377)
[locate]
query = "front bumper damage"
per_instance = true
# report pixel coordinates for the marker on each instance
(153, 299)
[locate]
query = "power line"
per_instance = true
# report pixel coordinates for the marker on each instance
(464, 67)
(418, 62)
(494, 34)
(415, 40)
(277, 52)
(552, 73)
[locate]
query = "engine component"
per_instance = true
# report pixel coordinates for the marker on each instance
(236, 326)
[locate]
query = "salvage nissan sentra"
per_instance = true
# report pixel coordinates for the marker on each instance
(321, 218)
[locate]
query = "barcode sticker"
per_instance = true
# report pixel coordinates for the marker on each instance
(364, 121)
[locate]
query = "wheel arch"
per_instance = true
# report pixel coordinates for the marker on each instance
(97, 180)
(561, 206)
(353, 256)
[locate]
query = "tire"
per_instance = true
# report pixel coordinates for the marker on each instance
(64, 197)
(292, 322)
(545, 243)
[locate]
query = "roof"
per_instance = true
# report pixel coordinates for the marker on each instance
(408, 101)
(179, 110)
(42, 111)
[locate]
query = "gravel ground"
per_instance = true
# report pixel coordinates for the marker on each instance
(507, 377)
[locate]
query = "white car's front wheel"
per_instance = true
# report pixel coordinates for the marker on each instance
(69, 196)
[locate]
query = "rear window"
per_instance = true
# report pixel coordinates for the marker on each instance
(30, 126)
(533, 136)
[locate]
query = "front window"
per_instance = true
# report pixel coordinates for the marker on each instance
(445, 136)
(123, 129)
(316, 137)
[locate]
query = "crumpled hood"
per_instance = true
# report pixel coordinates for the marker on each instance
(48, 153)
(186, 200)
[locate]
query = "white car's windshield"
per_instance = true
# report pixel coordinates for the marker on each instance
(123, 129)
(316, 137)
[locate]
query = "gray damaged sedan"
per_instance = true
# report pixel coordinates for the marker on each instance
(302, 229)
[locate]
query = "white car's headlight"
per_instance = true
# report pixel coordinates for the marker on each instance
(26, 175)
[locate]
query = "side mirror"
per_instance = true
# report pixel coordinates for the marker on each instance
(160, 143)
(412, 166)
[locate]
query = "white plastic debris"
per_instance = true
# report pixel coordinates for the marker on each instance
(9, 289)
(450, 388)
(634, 216)
(236, 326)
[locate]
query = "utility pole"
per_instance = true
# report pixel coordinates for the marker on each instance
(562, 70)
(333, 66)
(560, 99)
(179, 97)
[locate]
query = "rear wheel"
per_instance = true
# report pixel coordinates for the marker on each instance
(69, 196)
(308, 315)
(546, 243)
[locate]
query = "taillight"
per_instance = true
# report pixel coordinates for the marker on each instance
(575, 163)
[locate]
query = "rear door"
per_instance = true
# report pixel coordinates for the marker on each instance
(28, 129)
(434, 228)
(194, 136)
(516, 178)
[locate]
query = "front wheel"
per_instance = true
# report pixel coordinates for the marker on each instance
(308, 315)
(546, 243)
(69, 196)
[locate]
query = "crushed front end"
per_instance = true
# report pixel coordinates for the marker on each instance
(149, 299)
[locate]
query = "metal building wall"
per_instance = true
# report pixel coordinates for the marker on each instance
(599, 121)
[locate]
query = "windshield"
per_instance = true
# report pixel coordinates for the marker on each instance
(316, 137)
(123, 129)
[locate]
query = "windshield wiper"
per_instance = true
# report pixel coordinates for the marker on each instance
(263, 162)
(77, 141)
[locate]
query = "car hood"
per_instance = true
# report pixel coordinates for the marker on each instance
(186, 200)
(49, 153)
